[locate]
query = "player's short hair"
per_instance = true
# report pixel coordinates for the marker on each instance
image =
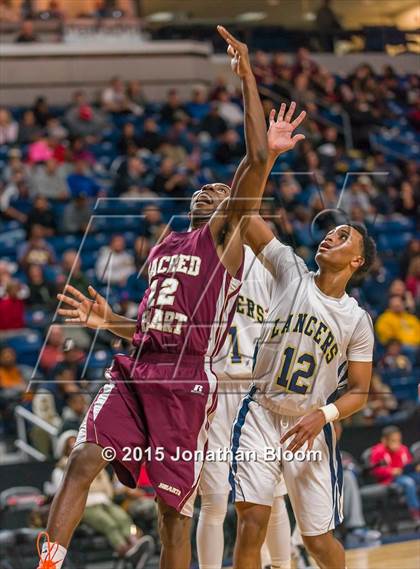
(368, 249)
(390, 430)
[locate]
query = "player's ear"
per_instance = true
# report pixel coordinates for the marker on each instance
(357, 262)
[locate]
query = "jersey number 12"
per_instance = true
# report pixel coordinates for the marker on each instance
(299, 380)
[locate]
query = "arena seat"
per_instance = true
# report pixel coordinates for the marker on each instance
(27, 347)
(15, 505)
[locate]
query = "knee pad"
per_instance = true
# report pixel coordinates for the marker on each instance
(213, 509)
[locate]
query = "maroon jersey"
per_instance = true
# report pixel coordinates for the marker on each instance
(191, 298)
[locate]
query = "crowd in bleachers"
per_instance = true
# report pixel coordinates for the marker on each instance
(107, 176)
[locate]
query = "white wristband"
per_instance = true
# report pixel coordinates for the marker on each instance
(331, 413)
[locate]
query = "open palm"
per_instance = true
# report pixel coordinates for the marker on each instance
(92, 313)
(280, 132)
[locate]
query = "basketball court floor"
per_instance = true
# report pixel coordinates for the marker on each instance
(404, 555)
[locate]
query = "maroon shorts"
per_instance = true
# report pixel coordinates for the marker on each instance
(158, 414)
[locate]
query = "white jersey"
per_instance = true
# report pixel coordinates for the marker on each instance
(307, 338)
(235, 359)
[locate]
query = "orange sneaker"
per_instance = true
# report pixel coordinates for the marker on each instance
(52, 548)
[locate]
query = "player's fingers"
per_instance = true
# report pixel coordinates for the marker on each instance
(66, 312)
(289, 433)
(311, 443)
(297, 138)
(228, 37)
(290, 112)
(296, 443)
(280, 116)
(231, 51)
(272, 116)
(76, 293)
(74, 320)
(299, 119)
(68, 300)
(96, 295)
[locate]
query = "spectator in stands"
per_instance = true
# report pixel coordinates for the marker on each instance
(396, 323)
(74, 411)
(381, 402)
(76, 215)
(412, 250)
(132, 179)
(71, 265)
(56, 130)
(42, 294)
(28, 129)
(142, 248)
(213, 123)
(394, 359)
(13, 383)
(12, 306)
(49, 179)
(81, 182)
(153, 222)
(83, 119)
(114, 264)
(356, 196)
(230, 149)
(15, 189)
(101, 513)
(26, 33)
(168, 181)
(8, 128)
(413, 279)
(173, 109)
(128, 137)
(392, 463)
(6, 269)
(228, 110)
(325, 199)
(408, 201)
(398, 288)
(199, 105)
(136, 96)
(52, 353)
(114, 99)
(36, 250)
(12, 377)
(41, 214)
(40, 150)
(42, 111)
(150, 139)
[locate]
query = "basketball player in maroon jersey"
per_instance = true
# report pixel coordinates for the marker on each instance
(157, 405)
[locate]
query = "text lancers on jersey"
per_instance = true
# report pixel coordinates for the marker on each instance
(310, 326)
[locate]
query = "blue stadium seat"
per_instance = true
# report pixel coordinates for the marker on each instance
(27, 347)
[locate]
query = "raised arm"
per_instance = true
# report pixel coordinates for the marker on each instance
(228, 225)
(280, 139)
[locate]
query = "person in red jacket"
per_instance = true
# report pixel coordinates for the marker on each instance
(392, 462)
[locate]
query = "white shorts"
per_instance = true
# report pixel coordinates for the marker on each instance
(215, 474)
(314, 484)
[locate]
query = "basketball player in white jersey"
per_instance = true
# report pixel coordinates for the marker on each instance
(314, 337)
(233, 367)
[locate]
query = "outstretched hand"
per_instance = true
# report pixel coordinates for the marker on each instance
(238, 51)
(93, 313)
(280, 131)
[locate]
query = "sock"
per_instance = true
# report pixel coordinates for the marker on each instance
(278, 535)
(55, 552)
(210, 539)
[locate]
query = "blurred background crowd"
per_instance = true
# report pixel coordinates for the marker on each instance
(105, 179)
